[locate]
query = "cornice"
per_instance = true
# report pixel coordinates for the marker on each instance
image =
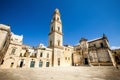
(16, 44)
(56, 21)
(56, 32)
(60, 47)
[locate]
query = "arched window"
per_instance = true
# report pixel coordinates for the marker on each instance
(32, 64)
(40, 63)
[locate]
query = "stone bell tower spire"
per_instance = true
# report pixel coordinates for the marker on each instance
(55, 35)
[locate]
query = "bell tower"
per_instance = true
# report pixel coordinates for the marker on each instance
(55, 35)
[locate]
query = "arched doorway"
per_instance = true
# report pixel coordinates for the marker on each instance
(32, 64)
(40, 63)
(86, 61)
(21, 63)
(47, 64)
(72, 60)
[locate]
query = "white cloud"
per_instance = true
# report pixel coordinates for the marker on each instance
(115, 47)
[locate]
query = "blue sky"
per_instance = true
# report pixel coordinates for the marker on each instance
(80, 18)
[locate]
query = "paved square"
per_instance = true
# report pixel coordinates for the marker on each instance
(61, 73)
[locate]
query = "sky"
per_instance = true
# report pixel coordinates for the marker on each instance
(80, 18)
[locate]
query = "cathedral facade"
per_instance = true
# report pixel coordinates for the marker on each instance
(14, 54)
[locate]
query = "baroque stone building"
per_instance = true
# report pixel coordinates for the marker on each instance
(14, 54)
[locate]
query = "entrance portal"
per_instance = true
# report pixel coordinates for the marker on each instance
(86, 61)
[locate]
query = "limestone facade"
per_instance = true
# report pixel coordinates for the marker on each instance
(17, 55)
(4, 40)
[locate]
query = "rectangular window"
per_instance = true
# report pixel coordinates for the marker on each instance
(48, 55)
(94, 45)
(50, 43)
(20, 54)
(65, 58)
(13, 51)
